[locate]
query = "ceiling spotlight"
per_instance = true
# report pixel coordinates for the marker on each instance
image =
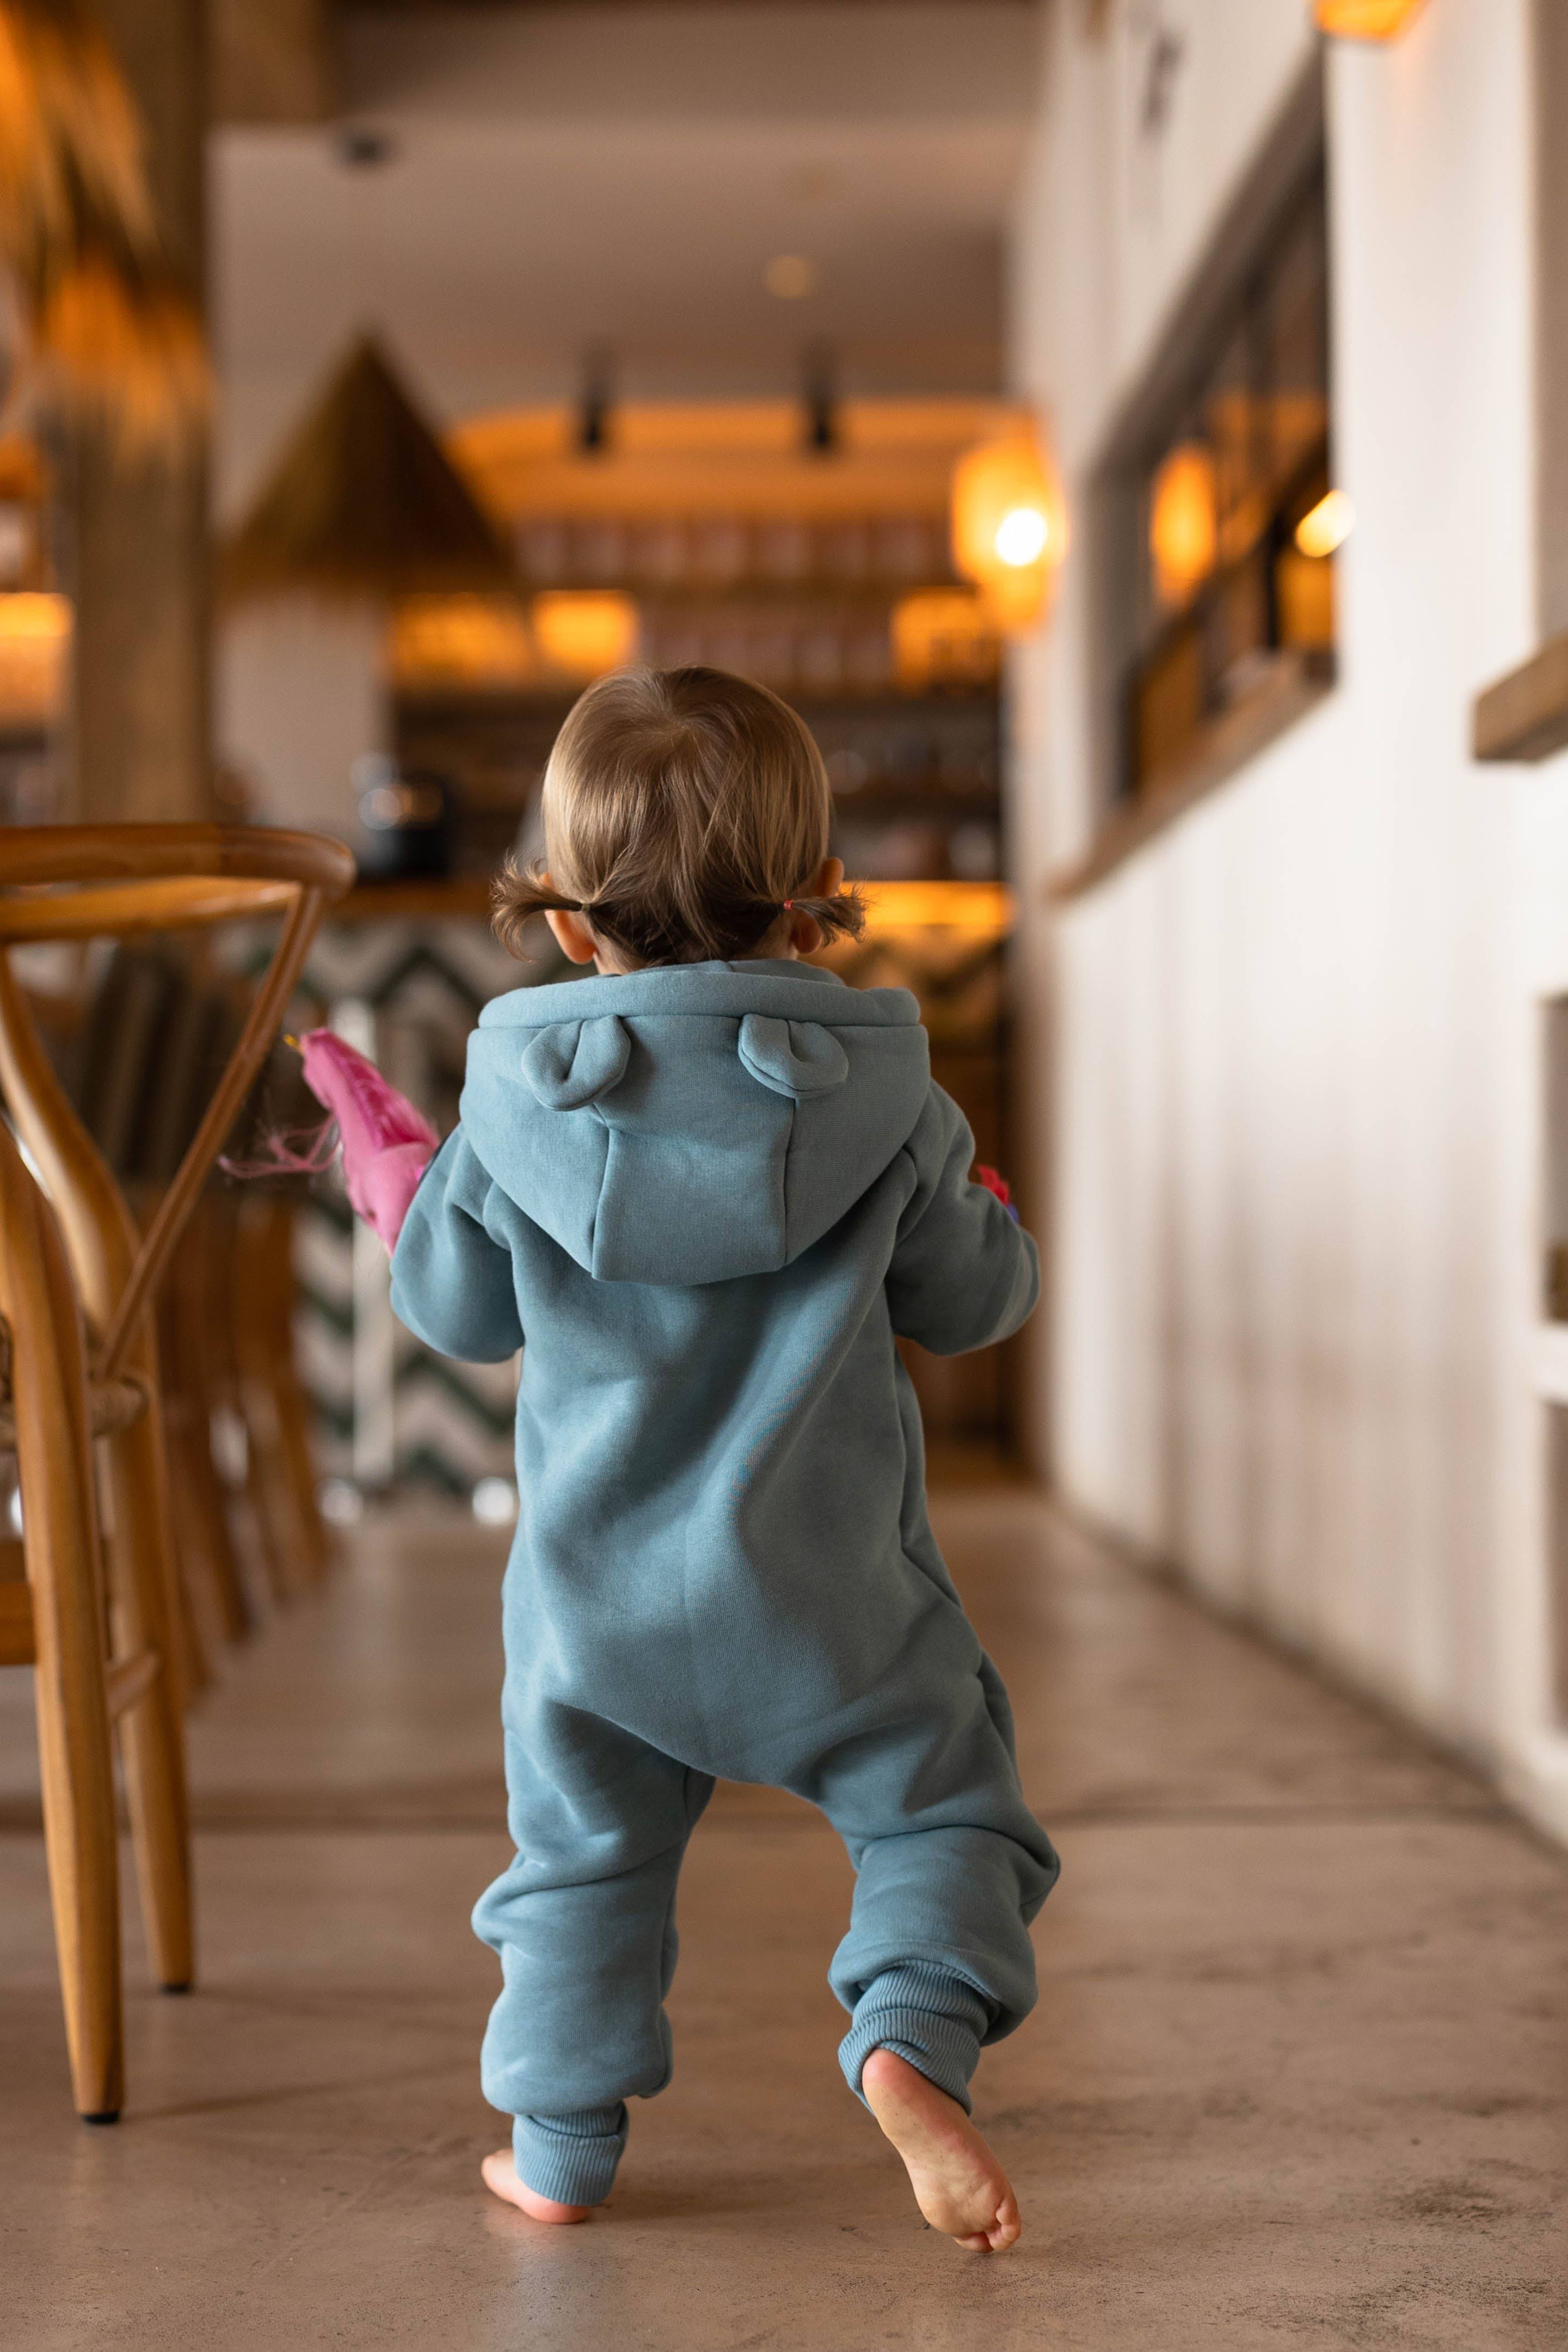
(360, 149)
(821, 400)
(791, 276)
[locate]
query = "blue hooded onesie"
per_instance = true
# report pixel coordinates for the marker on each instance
(704, 1199)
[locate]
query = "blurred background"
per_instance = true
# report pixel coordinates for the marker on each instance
(1132, 433)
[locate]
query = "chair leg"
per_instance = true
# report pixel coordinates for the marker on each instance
(151, 1731)
(201, 1530)
(263, 1263)
(293, 1413)
(61, 1548)
(197, 1280)
(229, 1384)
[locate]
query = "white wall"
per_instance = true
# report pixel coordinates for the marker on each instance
(1288, 1119)
(299, 693)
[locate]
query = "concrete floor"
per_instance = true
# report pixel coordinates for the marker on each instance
(1297, 2077)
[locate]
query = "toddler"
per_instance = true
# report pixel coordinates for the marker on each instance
(705, 1191)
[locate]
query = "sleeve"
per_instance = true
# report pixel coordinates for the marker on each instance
(962, 1273)
(451, 1270)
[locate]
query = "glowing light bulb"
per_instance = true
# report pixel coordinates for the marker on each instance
(1010, 525)
(1020, 537)
(1327, 525)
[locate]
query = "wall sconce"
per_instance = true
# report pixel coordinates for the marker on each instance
(1365, 20)
(1184, 523)
(1009, 527)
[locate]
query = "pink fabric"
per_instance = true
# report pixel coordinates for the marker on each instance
(994, 1183)
(387, 1144)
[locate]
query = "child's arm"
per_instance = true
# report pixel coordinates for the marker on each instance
(452, 1275)
(963, 1272)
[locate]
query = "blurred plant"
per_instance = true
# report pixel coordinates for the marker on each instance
(112, 337)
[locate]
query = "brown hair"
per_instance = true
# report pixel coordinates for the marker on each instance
(684, 811)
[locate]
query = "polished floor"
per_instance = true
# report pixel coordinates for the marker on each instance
(1299, 2077)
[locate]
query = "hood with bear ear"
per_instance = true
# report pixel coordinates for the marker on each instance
(691, 1123)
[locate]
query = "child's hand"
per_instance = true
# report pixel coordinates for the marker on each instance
(996, 1184)
(387, 1143)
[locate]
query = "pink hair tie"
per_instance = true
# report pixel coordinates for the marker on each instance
(788, 906)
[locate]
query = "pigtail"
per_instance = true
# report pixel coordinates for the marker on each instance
(842, 917)
(517, 895)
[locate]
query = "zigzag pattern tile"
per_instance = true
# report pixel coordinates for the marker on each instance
(453, 1422)
(377, 961)
(432, 1422)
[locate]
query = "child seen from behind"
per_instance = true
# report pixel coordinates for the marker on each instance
(705, 1191)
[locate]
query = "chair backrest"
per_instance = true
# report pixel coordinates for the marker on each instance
(79, 882)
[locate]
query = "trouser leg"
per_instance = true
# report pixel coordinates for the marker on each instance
(934, 2019)
(951, 1866)
(584, 1923)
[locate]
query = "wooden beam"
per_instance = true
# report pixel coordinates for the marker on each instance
(271, 61)
(139, 544)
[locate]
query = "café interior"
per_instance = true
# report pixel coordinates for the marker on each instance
(997, 382)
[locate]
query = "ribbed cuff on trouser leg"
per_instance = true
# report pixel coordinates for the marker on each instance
(572, 2157)
(924, 2014)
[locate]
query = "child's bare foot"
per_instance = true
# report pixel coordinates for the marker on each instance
(501, 2177)
(958, 2185)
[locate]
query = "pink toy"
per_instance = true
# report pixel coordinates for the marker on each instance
(387, 1144)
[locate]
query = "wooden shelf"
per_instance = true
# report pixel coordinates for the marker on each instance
(1523, 716)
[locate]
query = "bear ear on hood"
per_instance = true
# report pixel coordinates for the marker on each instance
(574, 1062)
(798, 1058)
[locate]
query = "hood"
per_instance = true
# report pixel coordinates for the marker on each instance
(693, 1122)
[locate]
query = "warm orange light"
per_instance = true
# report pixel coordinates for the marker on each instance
(943, 636)
(1327, 525)
(472, 641)
(1009, 527)
(583, 632)
(28, 616)
(1365, 20)
(983, 910)
(1184, 530)
(35, 652)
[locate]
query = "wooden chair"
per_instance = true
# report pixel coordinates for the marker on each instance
(74, 883)
(272, 1400)
(55, 1623)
